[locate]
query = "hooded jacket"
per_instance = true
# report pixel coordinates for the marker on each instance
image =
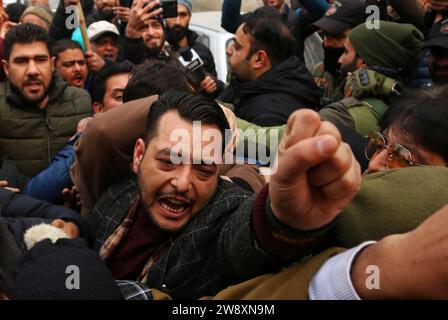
(32, 137)
(270, 99)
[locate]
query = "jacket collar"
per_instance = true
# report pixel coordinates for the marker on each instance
(57, 87)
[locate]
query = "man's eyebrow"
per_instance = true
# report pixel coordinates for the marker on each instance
(236, 42)
(164, 152)
(31, 57)
(205, 162)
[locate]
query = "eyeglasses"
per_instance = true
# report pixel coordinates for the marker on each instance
(397, 155)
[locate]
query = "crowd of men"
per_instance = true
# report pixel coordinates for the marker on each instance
(91, 176)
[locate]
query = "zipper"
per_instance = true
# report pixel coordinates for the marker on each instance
(49, 129)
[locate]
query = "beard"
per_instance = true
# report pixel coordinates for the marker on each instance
(351, 67)
(154, 51)
(438, 74)
(31, 102)
(107, 15)
(331, 59)
(175, 34)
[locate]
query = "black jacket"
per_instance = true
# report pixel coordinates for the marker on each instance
(58, 28)
(18, 213)
(270, 99)
(10, 173)
(201, 50)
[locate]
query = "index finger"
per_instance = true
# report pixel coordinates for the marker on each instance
(151, 5)
(138, 4)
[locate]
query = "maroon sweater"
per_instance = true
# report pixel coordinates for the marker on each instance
(142, 240)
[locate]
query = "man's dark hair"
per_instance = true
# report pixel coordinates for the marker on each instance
(14, 11)
(190, 107)
(423, 116)
(63, 45)
(156, 77)
(25, 34)
(269, 33)
(110, 69)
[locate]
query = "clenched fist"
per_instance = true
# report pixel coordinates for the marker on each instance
(317, 174)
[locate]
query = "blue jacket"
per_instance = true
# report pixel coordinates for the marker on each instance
(422, 77)
(16, 205)
(49, 183)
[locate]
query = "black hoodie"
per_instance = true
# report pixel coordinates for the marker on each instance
(270, 99)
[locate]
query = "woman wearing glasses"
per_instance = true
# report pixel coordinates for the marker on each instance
(415, 132)
(407, 177)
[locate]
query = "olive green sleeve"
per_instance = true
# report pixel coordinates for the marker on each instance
(251, 132)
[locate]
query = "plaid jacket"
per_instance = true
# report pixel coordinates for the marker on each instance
(216, 249)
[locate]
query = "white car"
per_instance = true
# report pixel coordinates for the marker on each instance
(207, 25)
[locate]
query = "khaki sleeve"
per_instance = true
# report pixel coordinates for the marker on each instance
(288, 284)
(104, 152)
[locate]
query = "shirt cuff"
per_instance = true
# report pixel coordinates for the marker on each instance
(333, 281)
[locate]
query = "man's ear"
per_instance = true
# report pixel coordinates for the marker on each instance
(5, 67)
(361, 64)
(97, 107)
(261, 59)
(139, 151)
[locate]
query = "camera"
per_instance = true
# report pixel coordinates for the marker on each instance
(125, 3)
(169, 8)
(194, 66)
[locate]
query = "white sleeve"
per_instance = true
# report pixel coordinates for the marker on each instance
(332, 281)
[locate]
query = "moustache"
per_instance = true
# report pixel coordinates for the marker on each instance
(148, 37)
(33, 81)
(439, 68)
(177, 196)
(78, 75)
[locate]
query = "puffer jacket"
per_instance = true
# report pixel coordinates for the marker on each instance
(31, 137)
(270, 99)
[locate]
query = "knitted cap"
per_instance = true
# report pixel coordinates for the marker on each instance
(393, 45)
(66, 270)
(186, 3)
(43, 12)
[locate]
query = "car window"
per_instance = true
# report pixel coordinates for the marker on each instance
(204, 39)
(313, 53)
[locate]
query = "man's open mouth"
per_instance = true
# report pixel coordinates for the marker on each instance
(78, 79)
(174, 204)
(33, 83)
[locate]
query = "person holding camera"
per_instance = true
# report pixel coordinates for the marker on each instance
(180, 37)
